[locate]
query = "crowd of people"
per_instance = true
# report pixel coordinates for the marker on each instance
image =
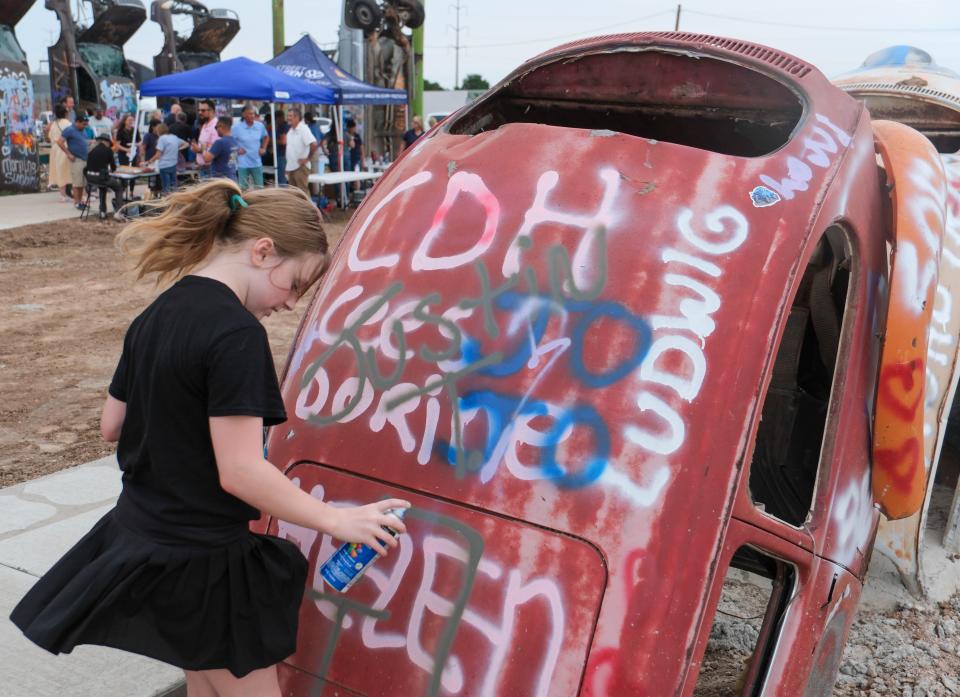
(87, 147)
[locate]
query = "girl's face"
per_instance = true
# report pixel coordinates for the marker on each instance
(278, 282)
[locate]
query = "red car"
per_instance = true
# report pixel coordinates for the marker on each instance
(628, 321)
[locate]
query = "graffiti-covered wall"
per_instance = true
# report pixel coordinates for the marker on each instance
(117, 97)
(19, 167)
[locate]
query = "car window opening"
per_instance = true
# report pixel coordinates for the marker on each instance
(86, 87)
(701, 102)
(939, 123)
(786, 457)
(756, 591)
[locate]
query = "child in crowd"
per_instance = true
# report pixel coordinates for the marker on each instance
(167, 155)
(173, 571)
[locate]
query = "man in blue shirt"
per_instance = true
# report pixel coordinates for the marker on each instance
(252, 137)
(73, 141)
(222, 155)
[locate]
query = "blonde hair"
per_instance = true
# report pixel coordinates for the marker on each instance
(179, 232)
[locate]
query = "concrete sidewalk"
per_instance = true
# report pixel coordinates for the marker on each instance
(25, 209)
(39, 521)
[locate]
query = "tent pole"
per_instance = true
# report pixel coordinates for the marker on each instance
(273, 137)
(342, 136)
(136, 124)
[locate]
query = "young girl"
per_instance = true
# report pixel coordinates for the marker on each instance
(173, 571)
(167, 154)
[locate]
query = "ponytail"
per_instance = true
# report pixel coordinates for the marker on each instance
(182, 230)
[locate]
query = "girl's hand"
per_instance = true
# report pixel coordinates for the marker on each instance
(364, 524)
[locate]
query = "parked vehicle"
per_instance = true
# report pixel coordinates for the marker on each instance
(904, 84)
(624, 324)
(438, 115)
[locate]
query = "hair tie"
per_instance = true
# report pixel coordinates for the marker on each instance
(237, 200)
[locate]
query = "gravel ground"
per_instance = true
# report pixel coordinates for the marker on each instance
(911, 651)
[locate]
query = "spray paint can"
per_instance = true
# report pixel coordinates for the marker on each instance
(347, 564)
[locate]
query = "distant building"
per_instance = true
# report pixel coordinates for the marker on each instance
(447, 101)
(41, 93)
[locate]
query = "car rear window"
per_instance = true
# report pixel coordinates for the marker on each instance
(699, 101)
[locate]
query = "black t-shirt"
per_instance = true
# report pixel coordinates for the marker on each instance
(410, 137)
(333, 150)
(100, 159)
(149, 144)
(357, 145)
(195, 352)
(182, 131)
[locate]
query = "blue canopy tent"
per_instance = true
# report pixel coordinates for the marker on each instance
(239, 78)
(307, 61)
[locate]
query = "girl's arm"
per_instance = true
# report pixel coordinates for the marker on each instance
(111, 420)
(237, 445)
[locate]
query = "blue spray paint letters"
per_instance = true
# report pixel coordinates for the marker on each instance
(592, 311)
(584, 415)
(587, 312)
(501, 412)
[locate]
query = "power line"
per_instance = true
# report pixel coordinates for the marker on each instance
(820, 27)
(746, 20)
(618, 25)
(457, 47)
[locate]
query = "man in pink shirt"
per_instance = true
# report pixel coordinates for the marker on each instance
(207, 115)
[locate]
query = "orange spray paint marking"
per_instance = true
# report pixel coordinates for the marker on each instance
(918, 203)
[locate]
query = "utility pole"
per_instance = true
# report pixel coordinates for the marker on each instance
(456, 46)
(676, 22)
(278, 39)
(417, 106)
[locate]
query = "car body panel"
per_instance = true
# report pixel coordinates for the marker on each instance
(903, 83)
(575, 328)
(443, 610)
(917, 202)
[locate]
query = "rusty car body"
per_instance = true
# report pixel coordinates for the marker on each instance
(88, 62)
(648, 310)
(212, 30)
(904, 84)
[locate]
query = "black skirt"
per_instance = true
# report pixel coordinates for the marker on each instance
(232, 606)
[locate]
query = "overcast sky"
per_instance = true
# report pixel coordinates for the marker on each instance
(498, 35)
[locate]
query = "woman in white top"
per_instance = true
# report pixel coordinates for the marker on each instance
(58, 173)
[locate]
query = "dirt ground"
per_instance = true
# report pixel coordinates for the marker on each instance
(67, 296)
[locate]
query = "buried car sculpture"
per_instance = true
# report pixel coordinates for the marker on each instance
(624, 323)
(902, 83)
